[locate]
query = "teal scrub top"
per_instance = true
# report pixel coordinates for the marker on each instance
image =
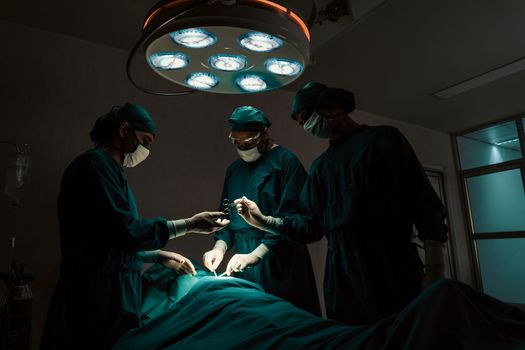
(365, 193)
(98, 294)
(274, 182)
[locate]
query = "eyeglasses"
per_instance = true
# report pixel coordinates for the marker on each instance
(247, 143)
(146, 144)
(143, 142)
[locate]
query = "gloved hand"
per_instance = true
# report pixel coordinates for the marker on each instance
(239, 262)
(175, 262)
(250, 212)
(433, 273)
(206, 222)
(434, 262)
(213, 258)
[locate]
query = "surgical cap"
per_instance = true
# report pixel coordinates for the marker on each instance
(136, 116)
(316, 95)
(248, 118)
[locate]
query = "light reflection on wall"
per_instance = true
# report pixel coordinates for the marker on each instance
(495, 155)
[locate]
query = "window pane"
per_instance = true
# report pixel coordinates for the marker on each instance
(495, 144)
(502, 268)
(497, 202)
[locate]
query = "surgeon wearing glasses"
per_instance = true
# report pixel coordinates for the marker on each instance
(273, 177)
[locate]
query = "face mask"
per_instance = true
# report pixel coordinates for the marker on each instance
(250, 155)
(137, 156)
(319, 126)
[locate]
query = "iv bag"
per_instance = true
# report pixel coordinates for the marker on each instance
(17, 177)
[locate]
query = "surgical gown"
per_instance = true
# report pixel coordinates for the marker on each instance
(274, 183)
(365, 193)
(98, 294)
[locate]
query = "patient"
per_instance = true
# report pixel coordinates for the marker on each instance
(207, 312)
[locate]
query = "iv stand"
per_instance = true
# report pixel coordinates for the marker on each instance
(22, 149)
(12, 270)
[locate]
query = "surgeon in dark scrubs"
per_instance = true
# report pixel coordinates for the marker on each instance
(364, 193)
(104, 241)
(273, 177)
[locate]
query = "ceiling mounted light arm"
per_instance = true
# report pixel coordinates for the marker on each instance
(334, 11)
(147, 36)
(313, 15)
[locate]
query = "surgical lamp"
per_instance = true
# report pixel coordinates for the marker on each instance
(226, 46)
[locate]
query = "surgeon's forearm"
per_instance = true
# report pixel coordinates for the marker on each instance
(149, 256)
(261, 251)
(272, 225)
(221, 245)
(177, 228)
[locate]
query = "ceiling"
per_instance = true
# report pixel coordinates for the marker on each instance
(393, 59)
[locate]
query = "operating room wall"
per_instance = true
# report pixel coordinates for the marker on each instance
(52, 88)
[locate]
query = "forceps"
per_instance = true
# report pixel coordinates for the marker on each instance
(226, 205)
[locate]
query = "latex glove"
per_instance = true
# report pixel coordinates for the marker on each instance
(206, 222)
(433, 273)
(250, 212)
(176, 262)
(213, 258)
(239, 262)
